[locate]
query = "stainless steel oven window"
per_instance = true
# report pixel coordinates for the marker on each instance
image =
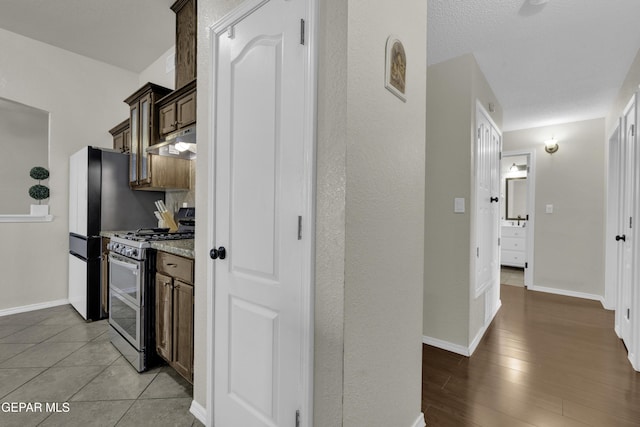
(126, 277)
(126, 318)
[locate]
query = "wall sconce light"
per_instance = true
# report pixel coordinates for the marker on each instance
(513, 168)
(551, 146)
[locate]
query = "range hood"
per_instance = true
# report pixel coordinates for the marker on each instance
(181, 144)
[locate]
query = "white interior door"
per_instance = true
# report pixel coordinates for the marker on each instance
(487, 206)
(259, 201)
(627, 238)
(615, 224)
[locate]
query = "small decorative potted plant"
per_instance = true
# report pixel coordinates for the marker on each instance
(39, 191)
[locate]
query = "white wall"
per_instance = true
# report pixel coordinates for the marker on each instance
(84, 98)
(569, 243)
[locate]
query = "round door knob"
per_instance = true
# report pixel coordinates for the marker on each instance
(220, 253)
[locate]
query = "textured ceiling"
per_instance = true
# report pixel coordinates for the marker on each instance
(557, 62)
(129, 34)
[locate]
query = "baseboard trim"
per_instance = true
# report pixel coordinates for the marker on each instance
(420, 422)
(460, 349)
(198, 411)
(33, 307)
(567, 293)
(445, 345)
(476, 341)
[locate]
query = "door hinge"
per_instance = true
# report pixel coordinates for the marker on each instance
(633, 130)
(299, 228)
(478, 252)
(302, 31)
(628, 313)
(630, 222)
(298, 418)
(500, 155)
(498, 241)
(526, 265)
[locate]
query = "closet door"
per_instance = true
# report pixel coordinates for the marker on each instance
(487, 204)
(626, 239)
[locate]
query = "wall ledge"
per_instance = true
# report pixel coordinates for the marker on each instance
(26, 218)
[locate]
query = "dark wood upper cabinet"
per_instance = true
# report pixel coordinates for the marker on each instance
(121, 137)
(186, 36)
(178, 109)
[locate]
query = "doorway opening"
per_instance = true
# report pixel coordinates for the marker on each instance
(516, 218)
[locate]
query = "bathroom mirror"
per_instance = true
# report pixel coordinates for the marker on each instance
(24, 138)
(516, 199)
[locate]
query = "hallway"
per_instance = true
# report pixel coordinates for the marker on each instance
(546, 360)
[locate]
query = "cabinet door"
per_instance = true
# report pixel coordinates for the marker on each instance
(126, 141)
(118, 142)
(183, 329)
(186, 107)
(167, 119)
(144, 170)
(164, 303)
(135, 145)
(186, 31)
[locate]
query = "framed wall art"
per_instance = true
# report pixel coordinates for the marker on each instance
(395, 68)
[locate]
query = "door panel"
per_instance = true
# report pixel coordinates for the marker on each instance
(628, 244)
(487, 165)
(259, 157)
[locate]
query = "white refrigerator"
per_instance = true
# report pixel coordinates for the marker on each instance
(100, 199)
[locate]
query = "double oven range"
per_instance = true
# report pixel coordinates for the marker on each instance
(132, 293)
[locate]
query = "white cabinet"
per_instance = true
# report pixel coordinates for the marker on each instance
(513, 246)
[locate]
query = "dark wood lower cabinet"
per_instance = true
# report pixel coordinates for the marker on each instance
(174, 314)
(183, 329)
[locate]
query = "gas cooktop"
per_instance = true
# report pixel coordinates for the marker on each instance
(155, 235)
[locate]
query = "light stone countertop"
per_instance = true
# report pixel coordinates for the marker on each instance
(176, 247)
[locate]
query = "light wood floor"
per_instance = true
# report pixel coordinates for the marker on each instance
(546, 360)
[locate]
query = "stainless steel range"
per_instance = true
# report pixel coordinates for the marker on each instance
(131, 292)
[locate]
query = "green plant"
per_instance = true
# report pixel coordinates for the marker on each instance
(39, 191)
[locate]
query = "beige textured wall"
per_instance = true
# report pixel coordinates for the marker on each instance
(628, 88)
(384, 218)
(451, 313)
(569, 243)
(448, 175)
(209, 11)
(330, 213)
(84, 98)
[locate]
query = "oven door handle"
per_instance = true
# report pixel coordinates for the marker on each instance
(134, 267)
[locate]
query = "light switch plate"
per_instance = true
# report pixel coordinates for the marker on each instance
(549, 209)
(458, 205)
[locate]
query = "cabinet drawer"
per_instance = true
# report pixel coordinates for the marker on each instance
(514, 232)
(513, 243)
(175, 266)
(512, 258)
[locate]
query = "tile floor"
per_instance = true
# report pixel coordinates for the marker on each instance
(54, 357)
(512, 276)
